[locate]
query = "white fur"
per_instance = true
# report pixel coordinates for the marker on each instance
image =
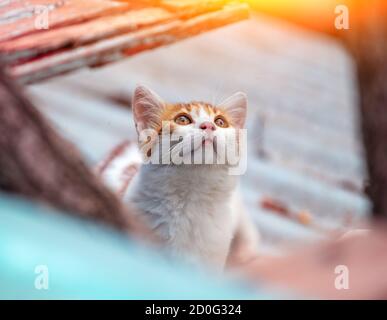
(190, 206)
(113, 174)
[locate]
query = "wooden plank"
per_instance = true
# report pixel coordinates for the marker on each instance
(116, 48)
(12, 10)
(189, 8)
(18, 18)
(80, 34)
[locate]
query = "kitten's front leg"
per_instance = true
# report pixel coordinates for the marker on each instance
(244, 246)
(217, 260)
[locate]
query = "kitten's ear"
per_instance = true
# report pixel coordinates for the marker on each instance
(236, 107)
(147, 108)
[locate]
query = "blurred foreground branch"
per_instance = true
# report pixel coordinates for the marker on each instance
(349, 268)
(38, 163)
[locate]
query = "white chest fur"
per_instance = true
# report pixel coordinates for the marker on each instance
(190, 206)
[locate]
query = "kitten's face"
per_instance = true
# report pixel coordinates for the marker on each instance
(195, 132)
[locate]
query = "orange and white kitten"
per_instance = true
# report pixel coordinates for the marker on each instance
(187, 196)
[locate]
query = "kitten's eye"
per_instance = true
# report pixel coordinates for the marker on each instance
(183, 120)
(221, 122)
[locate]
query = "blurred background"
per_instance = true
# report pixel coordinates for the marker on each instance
(306, 175)
(305, 167)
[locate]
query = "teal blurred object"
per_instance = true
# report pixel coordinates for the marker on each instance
(85, 260)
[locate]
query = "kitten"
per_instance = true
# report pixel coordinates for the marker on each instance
(188, 197)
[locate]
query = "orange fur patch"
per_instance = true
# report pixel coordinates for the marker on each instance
(169, 113)
(172, 110)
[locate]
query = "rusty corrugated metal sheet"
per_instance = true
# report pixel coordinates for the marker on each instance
(96, 32)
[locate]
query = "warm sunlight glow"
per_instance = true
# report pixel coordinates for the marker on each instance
(317, 14)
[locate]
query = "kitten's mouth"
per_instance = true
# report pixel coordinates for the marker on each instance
(208, 141)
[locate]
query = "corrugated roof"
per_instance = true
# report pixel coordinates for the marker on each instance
(304, 143)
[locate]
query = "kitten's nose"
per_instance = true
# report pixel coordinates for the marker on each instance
(207, 126)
